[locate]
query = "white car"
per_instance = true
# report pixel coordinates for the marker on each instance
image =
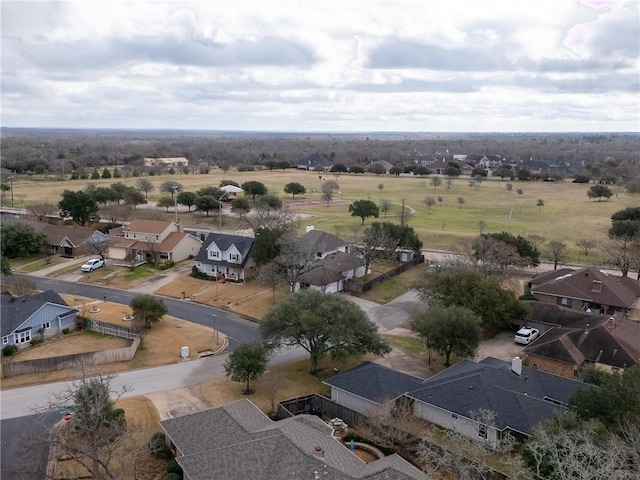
(92, 264)
(526, 335)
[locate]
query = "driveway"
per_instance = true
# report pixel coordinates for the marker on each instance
(501, 346)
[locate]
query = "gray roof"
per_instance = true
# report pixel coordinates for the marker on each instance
(238, 442)
(330, 268)
(519, 401)
(224, 242)
(321, 242)
(16, 310)
(375, 382)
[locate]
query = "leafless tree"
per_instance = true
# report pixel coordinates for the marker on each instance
(294, 260)
(89, 437)
(116, 213)
(385, 206)
(263, 216)
(623, 254)
(586, 244)
(490, 255)
(375, 244)
(328, 187)
(481, 226)
(42, 211)
(145, 185)
(21, 286)
(270, 275)
(536, 240)
(460, 201)
(557, 252)
(436, 182)
(429, 202)
(100, 245)
(272, 382)
(391, 426)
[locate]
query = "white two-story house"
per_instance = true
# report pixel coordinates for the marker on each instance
(226, 256)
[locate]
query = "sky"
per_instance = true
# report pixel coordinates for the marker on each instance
(323, 65)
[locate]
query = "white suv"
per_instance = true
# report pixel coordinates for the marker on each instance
(526, 335)
(92, 264)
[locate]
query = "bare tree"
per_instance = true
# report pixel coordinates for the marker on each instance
(116, 213)
(171, 187)
(263, 216)
(100, 245)
(88, 437)
(557, 252)
(460, 201)
(42, 211)
(272, 382)
(491, 255)
(429, 202)
(328, 186)
(385, 206)
(623, 254)
(270, 275)
(375, 243)
(21, 286)
(294, 260)
(586, 244)
(481, 226)
(145, 185)
(536, 240)
(436, 182)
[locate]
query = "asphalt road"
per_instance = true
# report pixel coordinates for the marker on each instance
(237, 328)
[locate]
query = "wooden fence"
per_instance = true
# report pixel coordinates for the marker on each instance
(315, 404)
(39, 365)
(358, 287)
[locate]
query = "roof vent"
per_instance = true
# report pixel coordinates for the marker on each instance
(516, 365)
(596, 286)
(309, 228)
(318, 453)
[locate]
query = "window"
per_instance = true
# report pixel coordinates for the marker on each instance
(482, 430)
(5, 340)
(22, 337)
(564, 301)
(46, 326)
(234, 257)
(164, 256)
(214, 254)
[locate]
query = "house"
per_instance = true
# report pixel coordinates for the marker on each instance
(602, 342)
(519, 397)
(36, 316)
(328, 274)
(330, 262)
(166, 162)
(426, 160)
(226, 256)
(314, 161)
(489, 161)
(238, 441)
(70, 242)
(153, 241)
(589, 290)
(370, 388)
(438, 167)
(383, 163)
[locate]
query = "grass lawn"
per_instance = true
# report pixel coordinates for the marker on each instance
(567, 215)
(35, 263)
(394, 287)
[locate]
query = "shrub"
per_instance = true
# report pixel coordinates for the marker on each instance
(9, 350)
(246, 168)
(526, 296)
(35, 341)
(175, 468)
(158, 445)
(195, 273)
(174, 476)
(66, 331)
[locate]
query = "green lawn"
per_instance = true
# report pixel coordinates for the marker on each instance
(567, 215)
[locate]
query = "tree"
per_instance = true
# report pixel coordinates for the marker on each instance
(540, 204)
(94, 427)
(338, 168)
(103, 195)
(328, 186)
(385, 206)
(246, 363)
(120, 190)
(586, 244)
(5, 266)
(557, 252)
(356, 169)
(100, 244)
(254, 189)
(524, 175)
(272, 382)
(599, 192)
(509, 187)
(460, 201)
(145, 185)
(80, 206)
(269, 201)
(266, 245)
(133, 197)
(451, 329)
(364, 209)
(224, 183)
(525, 247)
(106, 173)
(147, 309)
(581, 178)
(165, 202)
(429, 202)
(624, 229)
(207, 203)
(467, 288)
(520, 192)
(377, 168)
(188, 199)
(20, 239)
(240, 206)
(172, 187)
(376, 243)
(295, 188)
(503, 171)
(623, 254)
(436, 182)
(491, 255)
(396, 171)
(322, 324)
(42, 210)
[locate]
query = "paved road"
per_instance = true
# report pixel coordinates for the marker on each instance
(236, 328)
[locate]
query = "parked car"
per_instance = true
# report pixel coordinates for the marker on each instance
(92, 264)
(526, 335)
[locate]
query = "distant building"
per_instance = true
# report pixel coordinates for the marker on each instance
(166, 162)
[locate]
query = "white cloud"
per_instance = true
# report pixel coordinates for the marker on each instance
(333, 65)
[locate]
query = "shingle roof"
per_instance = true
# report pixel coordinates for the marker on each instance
(594, 339)
(329, 269)
(16, 310)
(591, 284)
(375, 382)
(224, 242)
(321, 242)
(238, 442)
(519, 401)
(154, 227)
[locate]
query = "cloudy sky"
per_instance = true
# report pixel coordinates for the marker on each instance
(324, 65)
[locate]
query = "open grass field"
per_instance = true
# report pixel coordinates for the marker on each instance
(567, 215)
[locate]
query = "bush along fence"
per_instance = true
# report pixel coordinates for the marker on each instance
(12, 368)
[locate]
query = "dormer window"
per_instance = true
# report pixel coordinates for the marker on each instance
(596, 286)
(234, 257)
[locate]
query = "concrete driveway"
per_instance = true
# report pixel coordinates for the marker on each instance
(501, 346)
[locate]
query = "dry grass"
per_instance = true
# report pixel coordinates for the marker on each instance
(249, 299)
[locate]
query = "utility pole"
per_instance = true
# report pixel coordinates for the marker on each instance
(220, 207)
(402, 214)
(11, 181)
(175, 201)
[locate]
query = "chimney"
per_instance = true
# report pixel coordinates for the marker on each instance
(309, 228)
(318, 453)
(516, 365)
